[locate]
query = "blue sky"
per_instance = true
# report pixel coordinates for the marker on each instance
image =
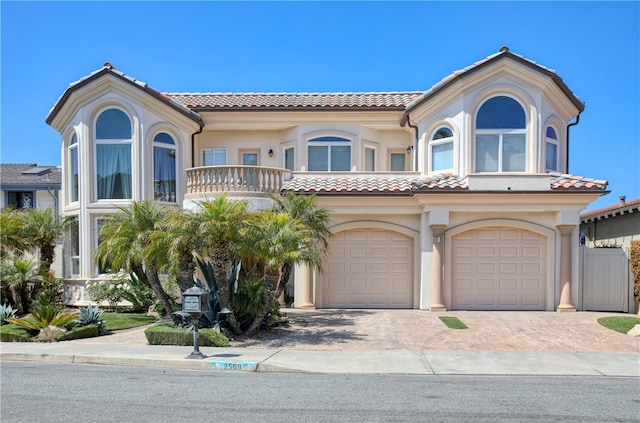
(325, 46)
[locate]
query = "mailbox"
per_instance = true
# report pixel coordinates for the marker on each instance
(194, 301)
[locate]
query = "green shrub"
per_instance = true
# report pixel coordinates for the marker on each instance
(138, 294)
(89, 331)
(13, 333)
(164, 334)
(44, 316)
(634, 256)
(5, 312)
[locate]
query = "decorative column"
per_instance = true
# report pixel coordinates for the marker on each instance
(306, 285)
(565, 268)
(437, 304)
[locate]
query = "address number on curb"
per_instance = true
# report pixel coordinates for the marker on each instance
(233, 365)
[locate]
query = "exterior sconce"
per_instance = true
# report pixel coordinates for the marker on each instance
(409, 149)
(271, 152)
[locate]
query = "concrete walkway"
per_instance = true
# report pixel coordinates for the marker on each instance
(380, 341)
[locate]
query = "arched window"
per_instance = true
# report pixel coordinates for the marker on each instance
(551, 150)
(164, 167)
(329, 154)
(73, 168)
(113, 155)
(501, 139)
(441, 146)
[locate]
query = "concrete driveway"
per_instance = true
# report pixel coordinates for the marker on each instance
(415, 330)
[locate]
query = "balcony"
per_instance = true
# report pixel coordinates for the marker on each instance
(234, 181)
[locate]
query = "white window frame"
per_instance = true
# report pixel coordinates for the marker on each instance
(554, 142)
(73, 257)
(174, 147)
(436, 142)
(111, 141)
(398, 151)
(293, 156)
(501, 132)
(317, 142)
(71, 150)
(213, 151)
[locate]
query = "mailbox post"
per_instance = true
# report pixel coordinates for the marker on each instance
(194, 302)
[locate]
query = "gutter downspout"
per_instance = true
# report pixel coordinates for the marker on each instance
(415, 146)
(568, 127)
(193, 144)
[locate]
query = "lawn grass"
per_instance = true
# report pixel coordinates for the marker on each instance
(115, 321)
(453, 322)
(622, 324)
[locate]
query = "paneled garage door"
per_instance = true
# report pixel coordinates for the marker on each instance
(369, 268)
(498, 269)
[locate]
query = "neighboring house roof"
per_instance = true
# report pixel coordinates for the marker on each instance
(108, 69)
(445, 182)
(623, 207)
(29, 176)
(289, 101)
(469, 70)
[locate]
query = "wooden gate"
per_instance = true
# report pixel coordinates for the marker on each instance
(606, 279)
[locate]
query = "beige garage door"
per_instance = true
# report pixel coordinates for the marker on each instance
(369, 268)
(498, 269)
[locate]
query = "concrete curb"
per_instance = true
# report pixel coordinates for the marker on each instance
(428, 363)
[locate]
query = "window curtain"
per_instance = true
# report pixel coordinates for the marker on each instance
(340, 158)
(513, 153)
(164, 174)
(397, 162)
(318, 158)
(113, 162)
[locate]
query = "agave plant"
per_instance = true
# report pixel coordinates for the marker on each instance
(6, 311)
(91, 316)
(44, 316)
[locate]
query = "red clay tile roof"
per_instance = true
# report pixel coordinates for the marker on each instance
(561, 182)
(315, 101)
(412, 184)
(346, 185)
(441, 181)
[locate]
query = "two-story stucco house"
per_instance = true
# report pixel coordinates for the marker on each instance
(457, 197)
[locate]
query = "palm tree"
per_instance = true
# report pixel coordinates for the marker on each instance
(13, 241)
(43, 227)
(276, 240)
(127, 241)
(220, 221)
(17, 274)
(174, 244)
(316, 220)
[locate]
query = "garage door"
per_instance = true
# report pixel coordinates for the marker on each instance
(498, 269)
(369, 268)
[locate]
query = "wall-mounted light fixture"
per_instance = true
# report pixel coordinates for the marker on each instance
(271, 152)
(409, 149)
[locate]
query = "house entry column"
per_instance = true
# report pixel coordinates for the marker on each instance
(565, 268)
(306, 279)
(437, 304)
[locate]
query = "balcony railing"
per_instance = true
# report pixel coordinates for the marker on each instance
(251, 179)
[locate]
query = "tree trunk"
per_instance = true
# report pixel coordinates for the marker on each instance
(221, 263)
(47, 255)
(287, 268)
(186, 270)
(137, 269)
(268, 295)
(154, 281)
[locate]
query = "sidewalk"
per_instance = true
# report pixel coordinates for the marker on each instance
(408, 342)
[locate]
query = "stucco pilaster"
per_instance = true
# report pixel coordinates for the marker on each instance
(436, 269)
(305, 275)
(565, 268)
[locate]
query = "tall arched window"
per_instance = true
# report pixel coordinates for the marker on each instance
(73, 169)
(329, 154)
(501, 138)
(551, 150)
(164, 167)
(441, 146)
(113, 155)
